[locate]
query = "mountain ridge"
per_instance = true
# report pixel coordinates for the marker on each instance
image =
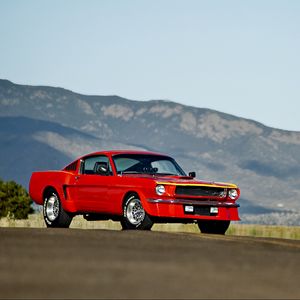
(6, 82)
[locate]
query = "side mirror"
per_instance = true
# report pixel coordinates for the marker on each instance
(101, 168)
(192, 174)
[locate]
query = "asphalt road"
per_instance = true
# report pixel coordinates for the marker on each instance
(73, 263)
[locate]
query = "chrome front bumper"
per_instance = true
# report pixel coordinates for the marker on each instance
(193, 202)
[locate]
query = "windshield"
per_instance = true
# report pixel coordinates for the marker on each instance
(146, 164)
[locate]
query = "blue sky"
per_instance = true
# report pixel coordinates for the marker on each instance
(239, 57)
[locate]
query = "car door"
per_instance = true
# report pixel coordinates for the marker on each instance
(91, 187)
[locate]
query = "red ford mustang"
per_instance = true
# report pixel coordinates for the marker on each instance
(136, 188)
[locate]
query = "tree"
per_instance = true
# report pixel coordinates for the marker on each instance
(14, 200)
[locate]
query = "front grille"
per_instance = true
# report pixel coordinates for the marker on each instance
(203, 191)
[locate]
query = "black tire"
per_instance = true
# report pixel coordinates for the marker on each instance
(134, 215)
(213, 227)
(54, 214)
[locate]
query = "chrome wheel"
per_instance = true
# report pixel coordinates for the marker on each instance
(135, 212)
(53, 211)
(52, 208)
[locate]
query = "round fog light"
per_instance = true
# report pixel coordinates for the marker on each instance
(160, 190)
(233, 194)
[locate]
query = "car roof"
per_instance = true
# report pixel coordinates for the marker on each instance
(116, 152)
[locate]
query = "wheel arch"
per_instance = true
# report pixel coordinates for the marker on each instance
(144, 224)
(141, 196)
(47, 190)
(127, 194)
(63, 218)
(51, 188)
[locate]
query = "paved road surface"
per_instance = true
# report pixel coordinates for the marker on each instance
(73, 263)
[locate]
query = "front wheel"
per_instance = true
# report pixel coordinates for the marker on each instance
(213, 227)
(54, 214)
(134, 215)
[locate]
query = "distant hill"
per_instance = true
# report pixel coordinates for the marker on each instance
(30, 144)
(46, 127)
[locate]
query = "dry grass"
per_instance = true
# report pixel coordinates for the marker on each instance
(285, 232)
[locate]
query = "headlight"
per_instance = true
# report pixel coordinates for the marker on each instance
(160, 190)
(233, 194)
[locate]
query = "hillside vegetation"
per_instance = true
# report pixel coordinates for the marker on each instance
(15, 202)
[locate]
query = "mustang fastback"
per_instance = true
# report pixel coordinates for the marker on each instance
(136, 188)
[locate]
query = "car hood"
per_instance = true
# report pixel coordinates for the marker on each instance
(182, 180)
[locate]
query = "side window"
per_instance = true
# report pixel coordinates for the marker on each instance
(72, 166)
(91, 163)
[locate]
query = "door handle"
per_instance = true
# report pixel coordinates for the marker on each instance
(77, 177)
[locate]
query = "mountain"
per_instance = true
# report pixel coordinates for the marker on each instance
(46, 127)
(30, 144)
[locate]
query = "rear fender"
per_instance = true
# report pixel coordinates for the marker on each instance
(67, 204)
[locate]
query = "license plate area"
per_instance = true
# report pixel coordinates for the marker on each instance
(200, 210)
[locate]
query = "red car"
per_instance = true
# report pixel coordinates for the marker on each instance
(136, 188)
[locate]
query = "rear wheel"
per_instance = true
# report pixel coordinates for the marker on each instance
(213, 227)
(54, 214)
(134, 215)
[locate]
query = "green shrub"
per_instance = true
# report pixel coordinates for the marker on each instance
(14, 201)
